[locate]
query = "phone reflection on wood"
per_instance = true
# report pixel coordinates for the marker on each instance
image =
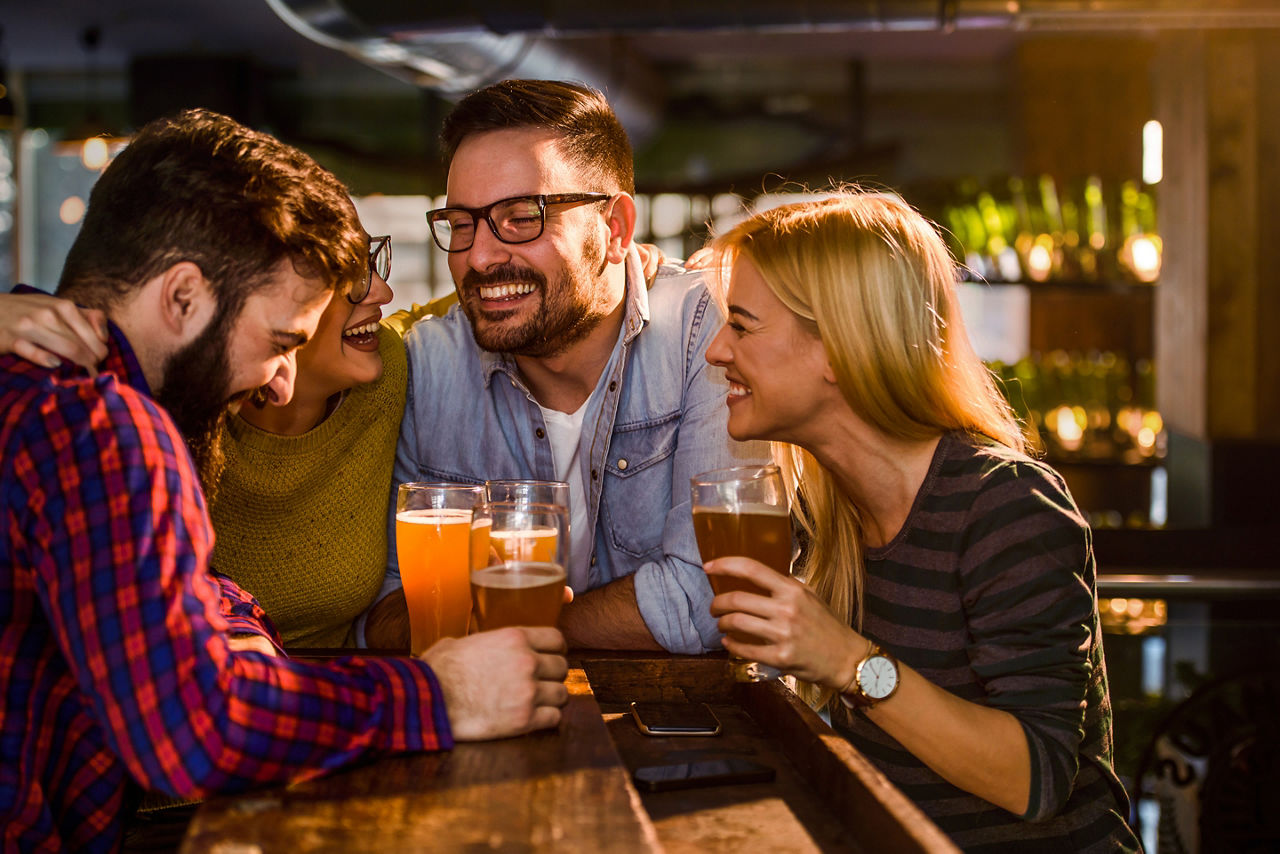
(675, 719)
(706, 772)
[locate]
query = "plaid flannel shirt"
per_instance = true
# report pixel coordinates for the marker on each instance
(114, 663)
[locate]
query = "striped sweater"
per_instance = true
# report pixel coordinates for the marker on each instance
(988, 591)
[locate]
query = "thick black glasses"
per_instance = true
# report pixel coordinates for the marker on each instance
(379, 262)
(520, 219)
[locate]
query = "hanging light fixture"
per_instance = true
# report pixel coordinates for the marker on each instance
(93, 139)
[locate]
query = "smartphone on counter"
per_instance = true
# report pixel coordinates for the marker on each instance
(675, 719)
(704, 772)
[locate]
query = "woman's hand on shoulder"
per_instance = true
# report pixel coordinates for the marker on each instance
(802, 637)
(46, 329)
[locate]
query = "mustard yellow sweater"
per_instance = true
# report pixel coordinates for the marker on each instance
(301, 521)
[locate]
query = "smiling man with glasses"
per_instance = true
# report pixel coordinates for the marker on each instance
(560, 364)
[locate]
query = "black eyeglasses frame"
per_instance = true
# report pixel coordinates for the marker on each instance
(485, 213)
(379, 262)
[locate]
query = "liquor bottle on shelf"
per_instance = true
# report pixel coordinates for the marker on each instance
(999, 221)
(1141, 249)
(1086, 406)
(1093, 264)
(1072, 269)
(1019, 230)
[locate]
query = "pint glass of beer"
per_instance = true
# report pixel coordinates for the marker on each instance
(743, 511)
(522, 583)
(434, 546)
(528, 491)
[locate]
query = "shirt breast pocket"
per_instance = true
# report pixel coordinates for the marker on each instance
(637, 489)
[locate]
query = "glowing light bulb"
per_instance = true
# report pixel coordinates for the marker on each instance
(94, 153)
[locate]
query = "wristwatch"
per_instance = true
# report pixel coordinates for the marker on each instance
(875, 679)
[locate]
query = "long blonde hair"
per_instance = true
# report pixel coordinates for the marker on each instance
(872, 278)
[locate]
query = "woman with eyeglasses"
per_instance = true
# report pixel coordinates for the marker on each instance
(300, 510)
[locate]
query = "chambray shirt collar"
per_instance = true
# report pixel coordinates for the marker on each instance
(635, 317)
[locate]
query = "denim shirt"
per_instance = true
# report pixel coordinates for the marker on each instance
(657, 418)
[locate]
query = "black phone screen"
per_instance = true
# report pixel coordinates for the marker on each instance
(675, 718)
(705, 772)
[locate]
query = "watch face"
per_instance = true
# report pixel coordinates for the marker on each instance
(878, 677)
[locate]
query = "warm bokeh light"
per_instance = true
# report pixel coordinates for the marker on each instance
(94, 154)
(1067, 423)
(1132, 616)
(71, 211)
(1040, 259)
(1141, 254)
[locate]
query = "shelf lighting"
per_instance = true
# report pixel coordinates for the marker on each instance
(1152, 152)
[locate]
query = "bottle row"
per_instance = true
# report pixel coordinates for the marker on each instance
(1031, 230)
(1094, 406)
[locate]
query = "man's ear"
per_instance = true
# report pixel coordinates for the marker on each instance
(621, 219)
(186, 302)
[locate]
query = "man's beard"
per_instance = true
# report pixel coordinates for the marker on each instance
(196, 392)
(562, 319)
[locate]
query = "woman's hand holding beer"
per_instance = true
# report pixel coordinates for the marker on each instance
(501, 683)
(802, 637)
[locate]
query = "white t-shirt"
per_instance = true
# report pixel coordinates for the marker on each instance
(564, 430)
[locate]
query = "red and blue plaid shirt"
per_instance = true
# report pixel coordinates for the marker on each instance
(114, 664)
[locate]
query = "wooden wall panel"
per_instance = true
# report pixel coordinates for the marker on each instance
(1083, 101)
(1231, 64)
(1267, 320)
(1182, 300)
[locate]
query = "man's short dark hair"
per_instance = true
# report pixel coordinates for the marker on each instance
(201, 187)
(589, 132)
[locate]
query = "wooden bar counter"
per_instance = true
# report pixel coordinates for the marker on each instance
(570, 789)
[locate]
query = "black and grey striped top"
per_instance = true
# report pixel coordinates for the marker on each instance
(988, 591)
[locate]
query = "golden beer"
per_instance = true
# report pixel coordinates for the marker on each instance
(433, 547)
(759, 531)
(537, 543)
(519, 593)
(480, 543)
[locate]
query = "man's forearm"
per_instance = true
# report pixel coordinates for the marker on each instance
(607, 618)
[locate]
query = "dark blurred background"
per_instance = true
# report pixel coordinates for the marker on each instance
(1108, 172)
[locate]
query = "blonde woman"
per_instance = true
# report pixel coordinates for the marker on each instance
(947, 615)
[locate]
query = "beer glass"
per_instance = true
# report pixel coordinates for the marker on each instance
(434, 546)
(522, 581)
(528, 491)
(743, 511)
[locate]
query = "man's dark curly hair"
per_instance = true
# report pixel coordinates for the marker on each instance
(201, 187)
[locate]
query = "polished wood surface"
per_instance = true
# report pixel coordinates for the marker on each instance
(563, 790)
(571, 790)
(826, 796)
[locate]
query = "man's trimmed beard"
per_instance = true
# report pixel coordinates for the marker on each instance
(563, 317)
(196, 391)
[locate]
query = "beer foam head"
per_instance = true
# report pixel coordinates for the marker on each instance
(435, 516)
(746, 509)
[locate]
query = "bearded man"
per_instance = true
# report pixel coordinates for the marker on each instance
(212, 249)
(560, 364)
